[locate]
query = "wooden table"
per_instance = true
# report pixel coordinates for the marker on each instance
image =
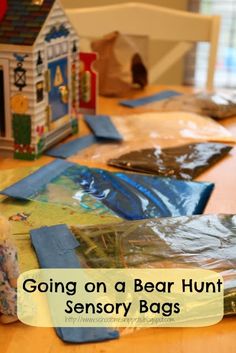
(219, 338)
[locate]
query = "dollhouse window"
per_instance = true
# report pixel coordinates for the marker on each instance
(64, 47)
(57, 50)
(50, 52)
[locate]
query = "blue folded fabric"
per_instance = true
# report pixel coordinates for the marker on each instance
(130, 195)
(55, 248)
(134, 103)
(66, 150)
(103, 127)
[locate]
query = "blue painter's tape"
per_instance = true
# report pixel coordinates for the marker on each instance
(29, 186)
(86, 335)
(55, 248)
(103, 127)
(66, 150)
(134, 103)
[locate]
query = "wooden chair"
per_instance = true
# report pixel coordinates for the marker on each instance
(159, 23)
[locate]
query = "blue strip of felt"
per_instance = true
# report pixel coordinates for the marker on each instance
(103, 127)
(133, 103)
(29, 186)
(55, 248)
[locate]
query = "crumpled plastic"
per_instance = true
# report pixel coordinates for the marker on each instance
(206, 241)
(218, 105)
(128, 195)
(154, 130)
(135, 196)
(181, 162)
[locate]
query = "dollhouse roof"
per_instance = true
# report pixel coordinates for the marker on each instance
(23, 21)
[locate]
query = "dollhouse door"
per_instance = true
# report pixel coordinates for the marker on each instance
(58, 94)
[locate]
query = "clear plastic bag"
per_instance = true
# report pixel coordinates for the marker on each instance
(206, 241)
(154, 130)
(128, 195)
(181, 162)
(25, 216)
(218, 105)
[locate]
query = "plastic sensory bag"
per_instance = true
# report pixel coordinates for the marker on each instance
(154, 130)
(136, 196)
(181, 162)
(206, 241)
(128, 195)
(218, 105)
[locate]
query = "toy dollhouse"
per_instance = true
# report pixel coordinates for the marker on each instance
(39, 70)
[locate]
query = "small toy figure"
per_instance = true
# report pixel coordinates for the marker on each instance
(9, 271)
(21, 216)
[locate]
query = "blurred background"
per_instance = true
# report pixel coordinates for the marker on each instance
(192, 69)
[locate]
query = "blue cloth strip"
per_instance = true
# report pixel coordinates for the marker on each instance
(55, 248)
(103, 127)
(134, 103)
(66, 150)
(29, 186)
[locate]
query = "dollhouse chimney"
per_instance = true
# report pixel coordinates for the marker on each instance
(3, 8)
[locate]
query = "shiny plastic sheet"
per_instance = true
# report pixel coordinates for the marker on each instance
(218, 105)
(153, 130)
(25, 216)
(54, 184)
(206, 241)
(128, 195)
(181, 162)
(134, 196)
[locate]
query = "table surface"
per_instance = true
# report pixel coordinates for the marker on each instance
(219, 338)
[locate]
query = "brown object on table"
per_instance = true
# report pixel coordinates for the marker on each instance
(120, 64)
